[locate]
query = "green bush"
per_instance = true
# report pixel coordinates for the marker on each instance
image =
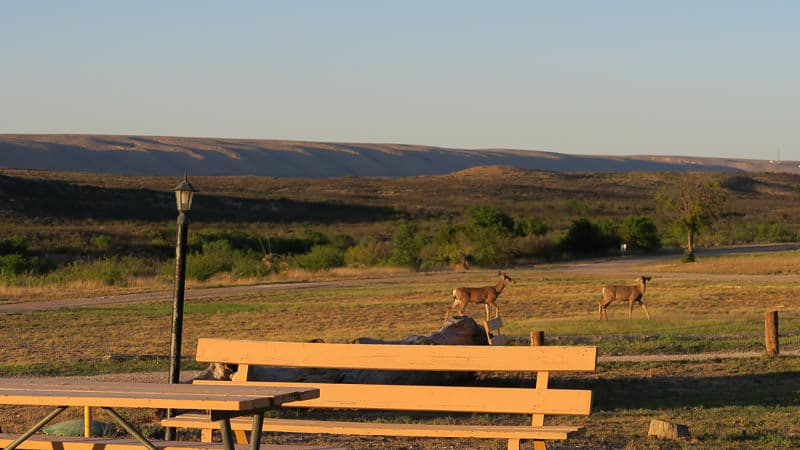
(640, 232)
(248, 265)
(14, 245)
(216, 257)
(369, 252)
(13, 264)
(530, 226)
(770, 232)
(583, 237)
(408, 245)
(321, 257)
(112, 271)
(539, 247)
(100, 242)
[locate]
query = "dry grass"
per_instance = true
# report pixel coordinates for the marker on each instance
(747, 404)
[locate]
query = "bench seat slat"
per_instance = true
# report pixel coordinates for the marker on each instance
(385, 429)
(398, 357)
(42, 442)
(437, 398)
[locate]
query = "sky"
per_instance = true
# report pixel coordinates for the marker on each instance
(696, 78)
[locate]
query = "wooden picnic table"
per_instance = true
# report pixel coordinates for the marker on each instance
(221, 402)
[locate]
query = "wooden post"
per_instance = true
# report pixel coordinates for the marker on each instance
(87, 422)
(537, 338)
(771, 333)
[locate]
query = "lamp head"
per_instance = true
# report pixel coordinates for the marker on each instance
(184, 193)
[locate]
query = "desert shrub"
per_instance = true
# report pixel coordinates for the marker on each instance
(17, 244)
(12, 266)
(314, 237)
(770, 232)
(450, 246)
(162, 236)
(215, 257)
(538, 247)
(248, 265)
(100, 242)
(343, 241)
(112, 271)
(369, 252)
(321, 257)
(530, 226)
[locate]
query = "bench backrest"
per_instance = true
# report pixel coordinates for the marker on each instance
(538, 401)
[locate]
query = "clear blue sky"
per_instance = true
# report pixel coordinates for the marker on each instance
(711, 78)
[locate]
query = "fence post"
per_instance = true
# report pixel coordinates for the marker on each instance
(771, 333)
(537, 338)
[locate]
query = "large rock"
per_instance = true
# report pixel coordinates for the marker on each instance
(457, 331)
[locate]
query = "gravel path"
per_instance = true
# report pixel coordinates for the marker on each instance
(614, 265)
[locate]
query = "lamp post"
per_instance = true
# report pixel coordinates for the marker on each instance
(184, 193)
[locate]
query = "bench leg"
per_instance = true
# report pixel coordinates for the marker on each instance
(206, 435)
(513, 444)
(539, 445)
(227, 434)
(255, 435)
(36, 428)
(129, 428)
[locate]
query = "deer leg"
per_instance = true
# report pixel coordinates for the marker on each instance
(450, 310)
(496, 310)
(645, 310)
(486, 305)
(630, 310)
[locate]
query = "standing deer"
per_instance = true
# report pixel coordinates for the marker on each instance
(633, 294)
(486, 295)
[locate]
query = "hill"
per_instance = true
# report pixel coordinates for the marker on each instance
(174, 156)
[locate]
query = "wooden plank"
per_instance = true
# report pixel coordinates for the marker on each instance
(36, 392)
(398, 357)
(438, 398)
(388, 429)
(39, 442)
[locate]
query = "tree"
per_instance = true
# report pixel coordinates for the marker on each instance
(583, 237)
(640, 232)
(694, 203)
(490, 232)
(407, 245)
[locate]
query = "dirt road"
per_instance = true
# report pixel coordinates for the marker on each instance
(617, 266)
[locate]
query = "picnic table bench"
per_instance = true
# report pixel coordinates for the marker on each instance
(536, 401)
(222, 404)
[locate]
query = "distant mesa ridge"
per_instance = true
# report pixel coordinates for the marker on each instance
(174, 156)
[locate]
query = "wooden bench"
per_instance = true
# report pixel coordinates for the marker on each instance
(41, 442)
(536, 401)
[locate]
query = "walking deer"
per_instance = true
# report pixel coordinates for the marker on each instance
(633, 294)
(486, 295)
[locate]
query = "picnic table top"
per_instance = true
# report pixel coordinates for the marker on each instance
(59, 392)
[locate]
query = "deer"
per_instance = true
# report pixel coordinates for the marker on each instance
(486, 295)
(633, 294)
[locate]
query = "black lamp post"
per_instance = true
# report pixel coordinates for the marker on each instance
(184, 193)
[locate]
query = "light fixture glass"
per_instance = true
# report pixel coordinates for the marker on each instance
(184, 193)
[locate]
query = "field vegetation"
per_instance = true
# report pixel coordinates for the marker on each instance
(73, 229)
(395, 242)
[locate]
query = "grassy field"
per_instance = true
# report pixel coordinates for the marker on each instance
(715, 305)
